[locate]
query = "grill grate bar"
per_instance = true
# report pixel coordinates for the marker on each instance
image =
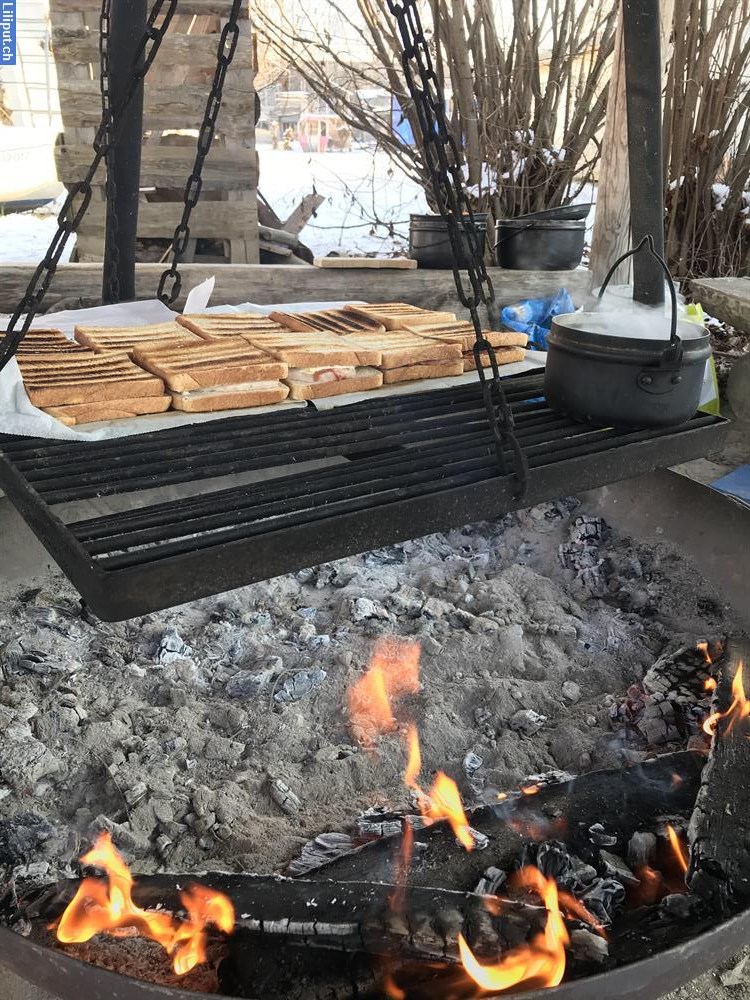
(310, 503)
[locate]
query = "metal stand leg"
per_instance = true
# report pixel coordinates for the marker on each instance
(643, 88)
(128, 26)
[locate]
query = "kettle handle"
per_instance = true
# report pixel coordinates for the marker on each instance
(673, 353)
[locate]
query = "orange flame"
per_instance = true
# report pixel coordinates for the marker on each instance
(530, 789)
(710, 684)
(443, 801)
(414, 764)
(703, 647)
(737, 711)
(541, 962)
(100, 907)
(679, 850)
(393, 671)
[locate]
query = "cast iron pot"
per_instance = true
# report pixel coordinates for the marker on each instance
(625, 381)
(430, 244)
(533, 244)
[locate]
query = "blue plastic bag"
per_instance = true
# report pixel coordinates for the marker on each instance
(534, 316)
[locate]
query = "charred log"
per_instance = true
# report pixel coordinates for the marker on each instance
(349, 917)
(632, 798)
(719, 829)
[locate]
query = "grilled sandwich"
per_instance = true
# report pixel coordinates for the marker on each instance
(322, 364)
(72, 414)
(509, 346)
(398, 315)
(328, 321)
(213, 326)
(127, 338)
(404, 357)
(76, 377)
(45, 341)
(224, 374)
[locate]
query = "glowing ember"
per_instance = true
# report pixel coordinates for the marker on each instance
(541, 962)
(393, 671)
(737, 711)
(530, 789)
(710, 684)
(679, 851)
(108, 907)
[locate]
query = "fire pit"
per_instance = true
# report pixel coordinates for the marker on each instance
(226, 734)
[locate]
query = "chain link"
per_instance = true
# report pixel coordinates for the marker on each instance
(171, 280)
(444, 165)
(71, 213)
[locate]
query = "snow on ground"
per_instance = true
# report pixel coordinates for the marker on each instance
(368, 200)
(368, 197)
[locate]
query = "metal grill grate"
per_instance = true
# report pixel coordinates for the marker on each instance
(116, 517)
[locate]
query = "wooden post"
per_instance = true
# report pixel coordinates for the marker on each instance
(612, 224)
(128, 27)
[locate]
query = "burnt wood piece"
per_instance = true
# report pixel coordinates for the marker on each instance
(627, 799)
(349, 917)
(719, 830)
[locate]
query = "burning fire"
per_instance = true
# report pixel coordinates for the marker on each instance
(676, 845)
(443, 801)
(393, 671)
(710, 684)
(541, 962)
(737, 711)
(108, 907)
(703, 647)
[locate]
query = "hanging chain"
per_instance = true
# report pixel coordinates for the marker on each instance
(79, 196)
(444, 165)
(112, 289)
(230, 36)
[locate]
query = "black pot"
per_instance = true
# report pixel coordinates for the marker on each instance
(430, 245)
(625, 381)
(533, 244)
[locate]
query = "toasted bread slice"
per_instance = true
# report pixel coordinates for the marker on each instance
(112, 409)
(328, 321)
(84, 377)
(463, 334)
(200, 364)
(397, 315)
(397, 347)
(424, 369)
(46, 341)
(231, 397)
(127, 338)
(213, 326)
(359, 381)
(313, 350)
(504, 356)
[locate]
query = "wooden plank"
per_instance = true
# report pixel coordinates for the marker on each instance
(76, 45)
(303, 213)
(270, 284)
(217, 8)
(720, 824)
(217, 219)
(728, 299)
(372, 263)
(169, 166)
(164, 107)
